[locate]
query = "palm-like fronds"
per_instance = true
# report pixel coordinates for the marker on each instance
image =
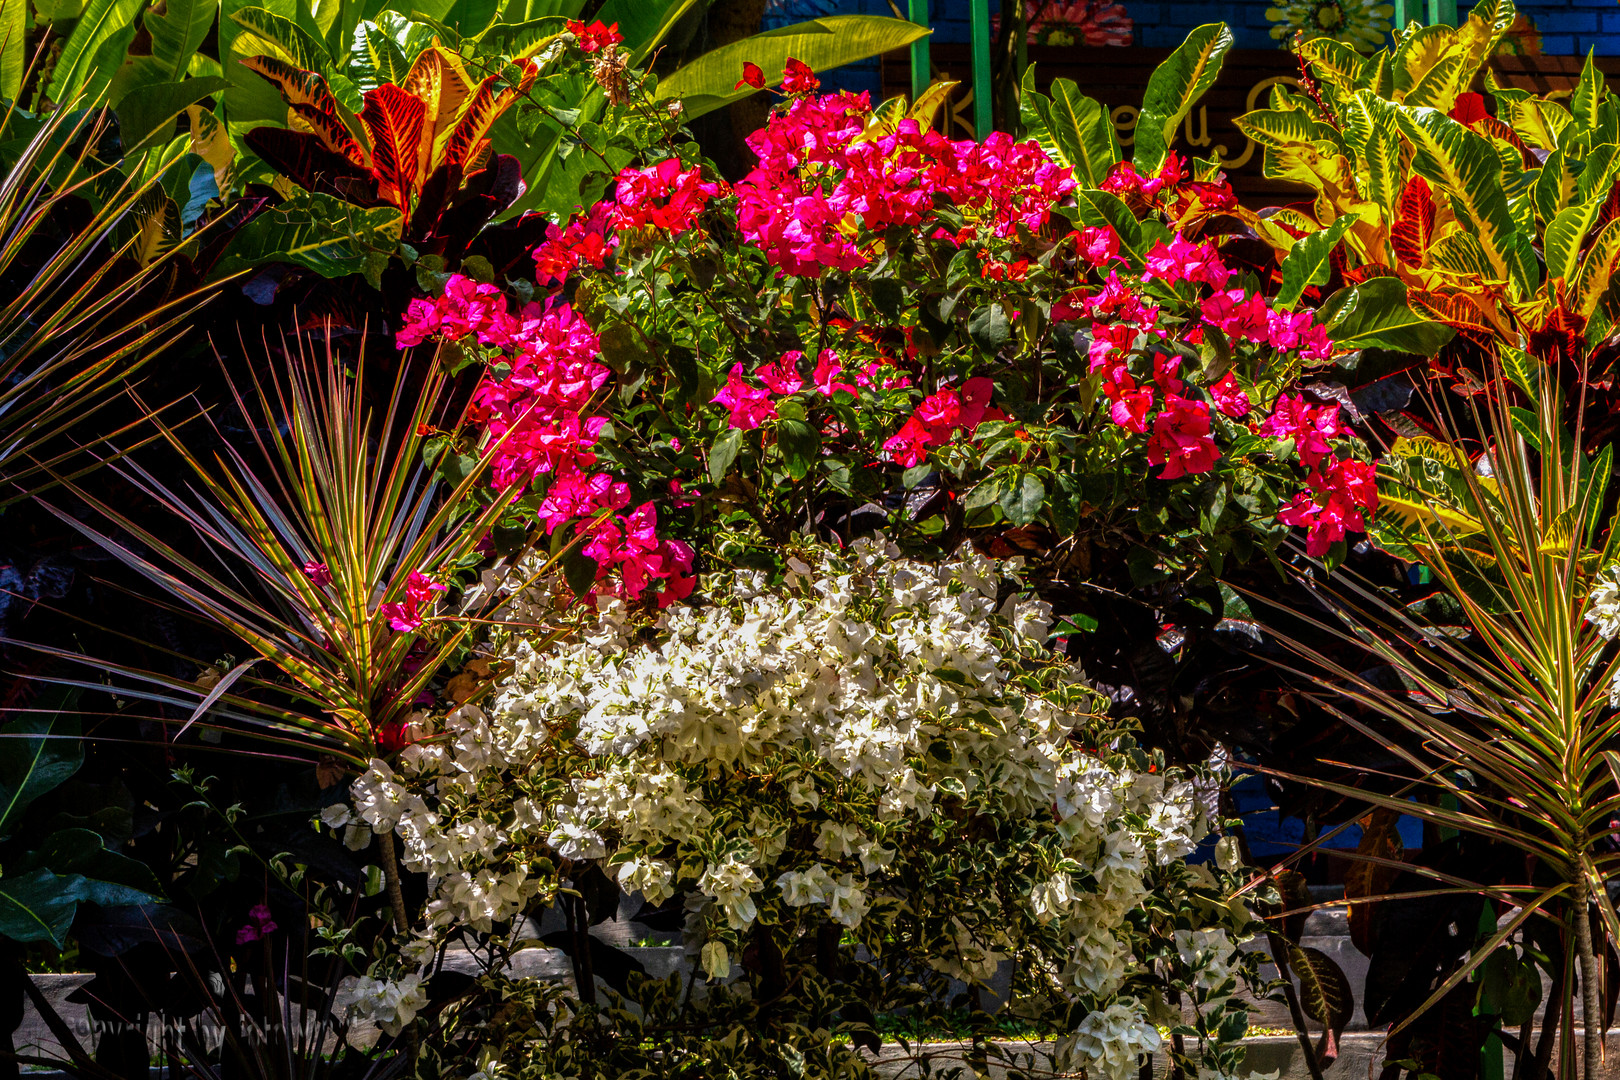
(309, 536)
(1511, 728)
(71, 328)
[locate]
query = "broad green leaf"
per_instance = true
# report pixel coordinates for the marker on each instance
(1555, 185)
(1307, 262)
(108, 878)
(147, 113)
(1565, 236)
(644, 23)
(1102, 208)
(384, 60)
(1596, 269)
(1324, 991)
(94, 50)
(800, 445)
(1522, 368)
(723, 453)
(324, 234)
(38, 906)
(1022, 498)
(13, 50)
(38, 752)
(1075, 129)
(1588, 94)
(710, 82)
(264, 33)
(176, 35)
(1173, 88)
(1464, 166)
(1375, 315)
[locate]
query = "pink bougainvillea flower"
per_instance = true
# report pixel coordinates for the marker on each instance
(797, 78)
(1165, 366)
(1229, 396)
(750, 405)
(1131, 406)
(938, 416)
(1310, 427)
(662, 196)
(1297, 332)
(259, 925)
(1238, 315)
(824, 379)
(1097, 244)
(630, 548)
(406, 615)
(1183, 260)
(1342, 495)
(752, 76)
(782, 377)
(319, 574)
(594, 37)
(1181, 439)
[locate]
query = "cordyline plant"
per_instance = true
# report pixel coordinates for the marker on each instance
(326, 543)
(1508, 729)
(73, 327)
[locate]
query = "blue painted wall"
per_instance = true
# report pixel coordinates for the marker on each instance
(1567, 27)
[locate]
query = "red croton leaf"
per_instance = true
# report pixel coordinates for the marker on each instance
(468, 144)
(1413, 230)
(1561, 337)
(393, 118)
(311, 106)
(1470, 107)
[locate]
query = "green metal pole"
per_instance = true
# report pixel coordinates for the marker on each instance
(921, 68)
(1442, 12)
(1405, 12)
(979, 12)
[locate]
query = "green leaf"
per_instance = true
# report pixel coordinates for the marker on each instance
(1022, 499)
(1523, 369)
(93, 51)
(109, 878)
(710, 82)
(1589, 92)
(38, 906)
(1308, 261)
(1324, 991)
(13, 50)
(800, 445)
(1375, 314)
(644, 23)
(1566, 235)
(1102, 208)
(41, 750)
(146, 114)
(177, 33)
(990, 328)
(319, 232)
(1075, 129)
(723, 453)
(1464, 166)
(267, 34)
(1173, 88)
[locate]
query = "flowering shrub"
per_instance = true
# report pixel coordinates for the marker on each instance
(877, 749)
(876, 308)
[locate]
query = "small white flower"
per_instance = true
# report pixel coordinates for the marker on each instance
(716, 960)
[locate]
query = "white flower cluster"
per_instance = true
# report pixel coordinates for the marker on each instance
(1603, 612)
(379, 1005)
(782, 747)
